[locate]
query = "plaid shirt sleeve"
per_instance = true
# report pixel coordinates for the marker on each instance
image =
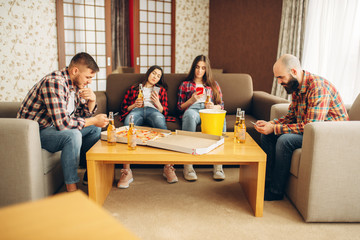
(82, 109)
(129, 99)
(164, 101)
(54, 95)
(185, 92)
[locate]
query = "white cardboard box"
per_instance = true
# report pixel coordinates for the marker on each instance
(195, 143)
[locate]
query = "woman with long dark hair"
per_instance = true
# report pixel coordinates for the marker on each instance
(191, 99)
(152, 111)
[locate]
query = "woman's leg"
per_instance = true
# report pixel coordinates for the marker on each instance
(126, 174)
(190, 120)
(157, 120)
(138, 114)
(154, 118)
(218, 172)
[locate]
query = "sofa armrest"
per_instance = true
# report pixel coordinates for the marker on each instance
(9, 109)
(21, 167)
(262, 102)
(101, 101)
(329, 172)
(279, 110)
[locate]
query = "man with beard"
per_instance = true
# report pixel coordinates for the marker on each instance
(313, 99)
(63, 107)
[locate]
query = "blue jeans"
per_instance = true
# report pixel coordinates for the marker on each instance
(147, 116)
(191, 118)
(73, 143)
(279, 150)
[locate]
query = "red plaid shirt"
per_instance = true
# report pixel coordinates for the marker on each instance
(47, 101)
(131, 96)
(317, 100)
(186, 90)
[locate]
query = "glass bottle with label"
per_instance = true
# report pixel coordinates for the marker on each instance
(237, 120)
(141, 94)
(240, 127)
(131, 136)
(111, 130)
(208, 99)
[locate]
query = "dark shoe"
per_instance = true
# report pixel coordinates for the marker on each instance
(270, 196)
(85, 181)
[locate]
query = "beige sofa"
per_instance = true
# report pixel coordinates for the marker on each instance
(324, 174)
(29, 172)
(237, 92)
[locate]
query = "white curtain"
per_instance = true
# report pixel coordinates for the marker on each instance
(291, 37)
(332, 44)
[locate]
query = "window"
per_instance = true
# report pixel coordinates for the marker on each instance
(84, 26)
(155, 29)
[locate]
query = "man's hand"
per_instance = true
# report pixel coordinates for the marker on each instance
(88, 94)
(264, 127)
(99, 120)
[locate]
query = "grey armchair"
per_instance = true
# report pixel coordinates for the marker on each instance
(27, 171)
(324, 173)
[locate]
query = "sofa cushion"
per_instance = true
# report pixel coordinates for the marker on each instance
(354, 113)
(237, 95)
(295, 162)
(50, 160)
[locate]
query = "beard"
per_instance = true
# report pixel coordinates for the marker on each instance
(291, 86)
(76, 81)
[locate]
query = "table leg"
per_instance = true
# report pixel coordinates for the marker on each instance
(100, 180)
(252, 180)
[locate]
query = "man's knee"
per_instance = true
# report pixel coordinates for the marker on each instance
(289, 140)
(72, 137)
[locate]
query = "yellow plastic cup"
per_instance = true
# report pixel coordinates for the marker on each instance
(212, 121)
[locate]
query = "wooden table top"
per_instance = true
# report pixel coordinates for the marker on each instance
(228, 153)
(63, 216)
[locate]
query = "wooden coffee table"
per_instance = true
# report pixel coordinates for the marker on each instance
(102, 158)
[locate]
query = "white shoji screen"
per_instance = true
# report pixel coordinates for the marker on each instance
(155, 34)
(84, 31)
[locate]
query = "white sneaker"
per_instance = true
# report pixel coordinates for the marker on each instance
(218, 172)
(189, 173)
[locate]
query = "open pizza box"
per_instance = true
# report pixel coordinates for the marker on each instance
(195, 143)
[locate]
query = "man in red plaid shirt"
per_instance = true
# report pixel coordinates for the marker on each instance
(63, 107)
(313, 99)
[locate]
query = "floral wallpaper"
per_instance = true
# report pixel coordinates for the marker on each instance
(28, 45)
(28, 41)
(192, 32)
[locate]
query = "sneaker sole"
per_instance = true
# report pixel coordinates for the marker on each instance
(190, 179)
(123, 187)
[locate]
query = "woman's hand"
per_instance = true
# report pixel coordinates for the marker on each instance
(139, 103)
(209, 105)
(155, 98)
(196, 97)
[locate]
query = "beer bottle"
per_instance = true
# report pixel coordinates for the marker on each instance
(131, 135)
(208, 99)
(111, 130)
(141, 94)
(240, 127)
